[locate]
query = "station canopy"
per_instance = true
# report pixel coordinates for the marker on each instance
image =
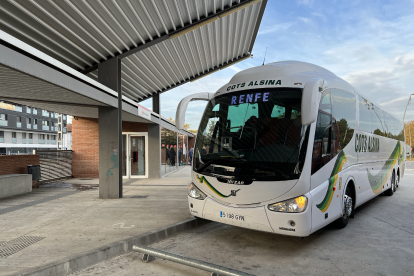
(162, 43)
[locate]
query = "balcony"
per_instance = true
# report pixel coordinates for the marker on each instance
(45, 127)
(41, 141)
(23, 141)
(18, 124)
(34, 126)
(53, 142)
(1, 139)
(4, 123)
(29, 125)
(14, 140)
(30, 141)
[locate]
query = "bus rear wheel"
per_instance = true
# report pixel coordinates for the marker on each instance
(397, 181)
(347, 209)
(391, 190)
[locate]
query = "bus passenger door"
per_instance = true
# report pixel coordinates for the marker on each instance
(327, 202)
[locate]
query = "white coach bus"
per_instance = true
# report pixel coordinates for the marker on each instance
(288, 148)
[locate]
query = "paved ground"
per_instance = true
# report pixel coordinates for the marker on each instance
(69, 218)
(378, 241)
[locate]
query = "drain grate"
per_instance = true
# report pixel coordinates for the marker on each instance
(138, 196)
(11, 247)
(34, 202)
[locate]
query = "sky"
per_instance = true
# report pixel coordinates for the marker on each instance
(370, 44)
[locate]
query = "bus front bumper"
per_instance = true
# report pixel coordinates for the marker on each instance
(257, 218)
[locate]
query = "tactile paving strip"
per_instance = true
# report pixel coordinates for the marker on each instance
(34, 202)
(11, 247)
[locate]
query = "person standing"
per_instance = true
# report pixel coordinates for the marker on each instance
(190, 153)
(179, 156)
(167, 155)
(172, 156)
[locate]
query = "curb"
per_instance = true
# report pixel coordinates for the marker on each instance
(86, 259)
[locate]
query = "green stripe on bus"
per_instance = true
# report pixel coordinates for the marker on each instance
(203, 179)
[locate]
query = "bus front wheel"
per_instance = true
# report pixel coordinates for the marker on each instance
(347, 209)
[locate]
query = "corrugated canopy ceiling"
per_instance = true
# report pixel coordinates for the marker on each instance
(162, 43)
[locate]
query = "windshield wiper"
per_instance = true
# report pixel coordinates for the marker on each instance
(208, 163)
(272, 170)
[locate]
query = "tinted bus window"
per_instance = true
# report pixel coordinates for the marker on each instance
(344, 113)
(401, 132)
(322, 147)
(364, 115)
(376, 120)
(389, 128)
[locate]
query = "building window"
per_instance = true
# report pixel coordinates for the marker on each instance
(34, 123)
(3, 120)
(24, 138)
(41, 139)
(14, 137)
(18, 108)
(28, 123)
(45, 113)
(34, 111)
(18, 121)
(1, 136)
(64, 117)
(28, 109)
(30, 138)
(45, 125)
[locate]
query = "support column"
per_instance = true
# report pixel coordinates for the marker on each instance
(156, 103)
(110, 133)
(154, 147)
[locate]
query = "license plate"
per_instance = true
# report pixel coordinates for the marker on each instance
(232, 216)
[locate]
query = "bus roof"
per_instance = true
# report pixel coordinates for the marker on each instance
(288, 73)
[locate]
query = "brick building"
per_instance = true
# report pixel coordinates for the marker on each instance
(85, 144)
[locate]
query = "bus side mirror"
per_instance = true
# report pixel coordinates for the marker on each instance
(310, 101)
(182, 106)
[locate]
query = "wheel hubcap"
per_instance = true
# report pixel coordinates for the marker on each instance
(347, 206)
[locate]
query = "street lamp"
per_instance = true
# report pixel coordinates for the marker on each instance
(409, 126)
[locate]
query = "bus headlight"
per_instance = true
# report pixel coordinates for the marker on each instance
(195, 192)
(293, 205)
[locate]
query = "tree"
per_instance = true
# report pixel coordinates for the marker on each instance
(409, 127)
(186, 126)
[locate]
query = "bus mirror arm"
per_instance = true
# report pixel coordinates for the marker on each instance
(182, 106)
(310, 100)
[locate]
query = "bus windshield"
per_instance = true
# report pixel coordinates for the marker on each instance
(252, 135)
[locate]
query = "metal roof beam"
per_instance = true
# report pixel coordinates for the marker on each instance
(183, 29)
(210, 71)
(131, 51)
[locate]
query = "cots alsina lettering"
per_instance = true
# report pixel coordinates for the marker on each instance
(254, 83)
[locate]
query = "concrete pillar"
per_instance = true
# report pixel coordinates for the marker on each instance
(156, 103)
(154, 148)
(110, 133)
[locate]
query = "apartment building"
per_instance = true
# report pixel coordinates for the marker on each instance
(24, 129)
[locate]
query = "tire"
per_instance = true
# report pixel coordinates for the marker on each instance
(397, 182)
(348, 209)
(391, 190)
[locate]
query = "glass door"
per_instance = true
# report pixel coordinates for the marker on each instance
(137, 155)
(134, 153)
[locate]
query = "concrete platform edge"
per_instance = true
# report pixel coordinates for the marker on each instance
(94, 256)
